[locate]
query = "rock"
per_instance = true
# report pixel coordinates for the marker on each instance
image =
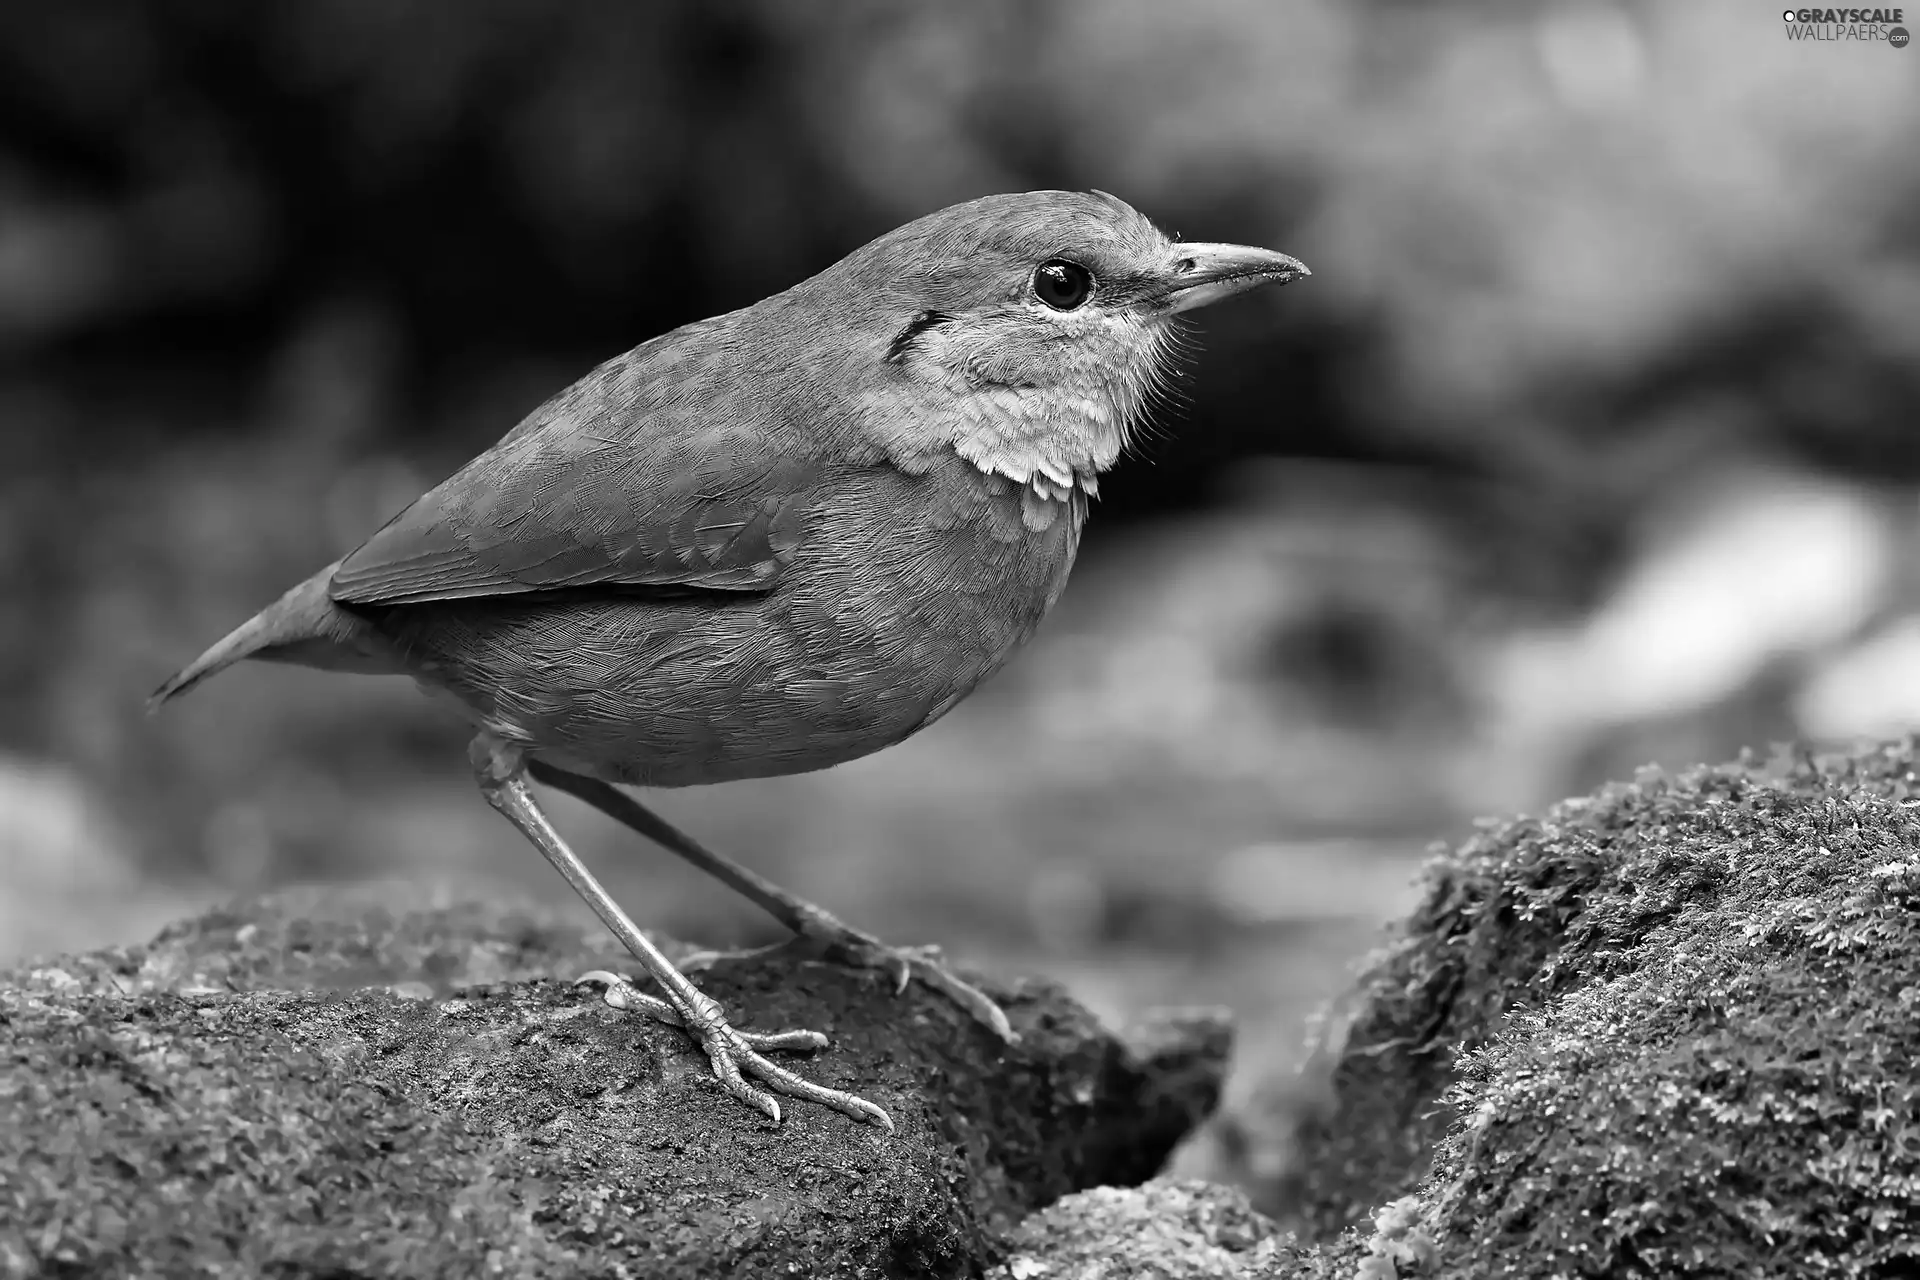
(325, 1084)
(1162, 1230)
(1666, 1030)
(1171, 1229)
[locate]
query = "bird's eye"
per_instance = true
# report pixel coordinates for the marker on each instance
(1062, 285)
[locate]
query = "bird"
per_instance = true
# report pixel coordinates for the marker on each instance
(771, 542)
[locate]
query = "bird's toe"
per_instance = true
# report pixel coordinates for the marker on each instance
(737, 1054)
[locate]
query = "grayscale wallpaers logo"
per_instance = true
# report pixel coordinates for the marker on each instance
(1847, 24)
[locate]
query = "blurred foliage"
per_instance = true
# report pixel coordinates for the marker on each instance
(1588, 443)
(1544, 237)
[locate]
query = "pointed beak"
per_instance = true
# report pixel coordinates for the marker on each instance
(1204, 273)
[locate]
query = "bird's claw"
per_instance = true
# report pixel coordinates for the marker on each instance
(735, 1055)
(823, 938)
(842, 944)
(969, 997)
(622, 994)
(903, 960)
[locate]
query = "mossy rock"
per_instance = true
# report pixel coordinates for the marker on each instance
(1167, 1229)
(1672, 1029)
(346, 1083)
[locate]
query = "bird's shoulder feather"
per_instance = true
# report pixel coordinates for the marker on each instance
(632, 478)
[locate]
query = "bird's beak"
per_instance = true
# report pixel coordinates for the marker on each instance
(1204, 273)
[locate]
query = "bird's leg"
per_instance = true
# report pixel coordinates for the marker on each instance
(500, 768)
(816, 926)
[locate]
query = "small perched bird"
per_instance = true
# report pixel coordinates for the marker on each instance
(772, 541)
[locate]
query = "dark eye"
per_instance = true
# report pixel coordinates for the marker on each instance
(1062, 285)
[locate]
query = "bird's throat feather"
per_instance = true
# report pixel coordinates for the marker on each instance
(1052, 439)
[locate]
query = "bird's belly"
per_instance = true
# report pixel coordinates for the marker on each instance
(852, 653)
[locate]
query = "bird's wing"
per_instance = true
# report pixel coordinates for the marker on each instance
(554, 508)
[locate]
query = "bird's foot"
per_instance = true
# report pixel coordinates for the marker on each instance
(736, 1055)
(824, 938)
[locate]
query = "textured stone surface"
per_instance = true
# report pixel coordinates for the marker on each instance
(324, 1084)
(1172, 1229)
(1666, 1030)
(1162, 1230)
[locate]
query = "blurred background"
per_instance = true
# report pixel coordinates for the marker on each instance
(1589, 445)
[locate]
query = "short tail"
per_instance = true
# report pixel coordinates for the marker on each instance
(303, 626)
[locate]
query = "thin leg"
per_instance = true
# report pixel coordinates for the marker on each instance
(500, 768)
(795, 913)
(816, 925)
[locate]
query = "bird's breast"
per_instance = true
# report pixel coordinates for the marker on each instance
(924, 585)
(907, 590)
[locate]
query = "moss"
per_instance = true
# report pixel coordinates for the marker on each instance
(1688, 1011)
(1162, 1230)
(172, 1109)
(169, 1135)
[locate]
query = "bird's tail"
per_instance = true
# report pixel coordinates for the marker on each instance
(303, 626)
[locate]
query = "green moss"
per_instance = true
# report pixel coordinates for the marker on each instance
(1689, 1010)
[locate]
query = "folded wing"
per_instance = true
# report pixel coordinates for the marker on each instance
(713, 507)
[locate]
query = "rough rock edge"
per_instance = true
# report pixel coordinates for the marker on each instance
(1728, 956)
(1172, 1229)
(166, 1107)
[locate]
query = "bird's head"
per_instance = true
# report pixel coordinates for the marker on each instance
(1028, 331)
